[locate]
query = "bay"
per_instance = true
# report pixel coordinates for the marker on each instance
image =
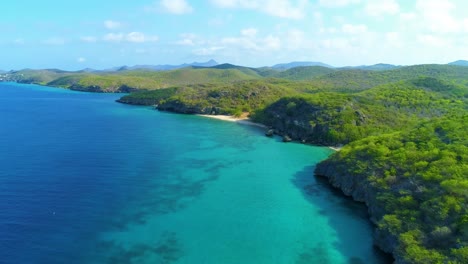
(88, 180)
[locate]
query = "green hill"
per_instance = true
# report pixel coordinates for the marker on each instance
(415, 184)
(331, 118)
(37, 76)
(125, 81)
(359, 80)
(227, 98)
(304, 73)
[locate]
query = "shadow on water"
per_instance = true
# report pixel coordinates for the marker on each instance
(170, 194)
(335, 206)
(173, 191)
(167, 250)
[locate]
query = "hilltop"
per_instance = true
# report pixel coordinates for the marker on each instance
(459, 63)
(164, 67)
(294, 64)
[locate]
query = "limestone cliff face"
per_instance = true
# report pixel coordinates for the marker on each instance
(360, 189)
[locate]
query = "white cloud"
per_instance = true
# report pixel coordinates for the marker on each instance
(247, 44)
(354, 29)
(285, 9)
(250, 42)
(382, 7)
(110, 24)
(295, 39)
(434, 41)
(465, 25)
(54, 41)
(134, 37)
(89, 39)
(408, 17)
(438, 16)
(292, 9)
(114, 37)
(177, 7)
(188, 39)
(81, 60)
(185, 42)
(271, 43)
(338, 3)
(249, 32)
(336, 43)
(235, 3)
(393, 39)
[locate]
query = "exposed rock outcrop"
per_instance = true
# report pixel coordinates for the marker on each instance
(270, 133)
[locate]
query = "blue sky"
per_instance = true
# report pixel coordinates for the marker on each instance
(102, 34)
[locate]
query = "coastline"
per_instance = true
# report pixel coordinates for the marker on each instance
(244, 120)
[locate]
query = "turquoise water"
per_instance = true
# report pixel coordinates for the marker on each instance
(88, 180)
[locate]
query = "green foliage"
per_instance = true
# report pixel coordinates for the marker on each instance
(304, 73)
(230, 98)
(339, 118)
(148, 97)
(426, 200)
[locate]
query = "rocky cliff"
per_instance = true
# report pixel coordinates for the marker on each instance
(361, 190)
(99, 89)
(414, 184)
(313, 122)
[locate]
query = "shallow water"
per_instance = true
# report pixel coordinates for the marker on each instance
(88, 180)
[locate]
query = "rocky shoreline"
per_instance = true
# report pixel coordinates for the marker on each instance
(358, 189)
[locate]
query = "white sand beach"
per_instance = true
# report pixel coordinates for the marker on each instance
(241, 120)
(335, 148)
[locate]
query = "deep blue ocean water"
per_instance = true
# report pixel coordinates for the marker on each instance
(86, 180)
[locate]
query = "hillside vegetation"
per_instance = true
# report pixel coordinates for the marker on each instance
(230, 98)
(415, 184)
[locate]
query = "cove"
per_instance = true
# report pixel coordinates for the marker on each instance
(88, 180)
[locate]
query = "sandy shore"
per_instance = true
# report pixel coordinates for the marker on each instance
(335, 148)
(241, 120)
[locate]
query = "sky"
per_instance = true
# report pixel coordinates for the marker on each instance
(73, 35)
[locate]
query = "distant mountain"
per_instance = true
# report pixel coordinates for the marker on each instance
(304, 73)
(225, 66)
(165, 67)
(294, 64)
(88, 70)
(209, 63)
(459, 63)
(375, 67)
